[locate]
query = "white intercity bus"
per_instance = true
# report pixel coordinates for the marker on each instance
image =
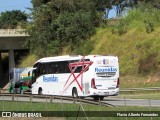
(96, 76)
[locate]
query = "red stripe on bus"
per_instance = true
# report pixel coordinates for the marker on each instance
(83, 63)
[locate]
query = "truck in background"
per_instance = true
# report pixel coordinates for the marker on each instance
(20, 80)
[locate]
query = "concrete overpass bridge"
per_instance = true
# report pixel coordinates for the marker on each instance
(10, 41)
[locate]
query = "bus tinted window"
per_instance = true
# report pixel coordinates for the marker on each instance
(53, 68)
(57, 67)
(79, 69)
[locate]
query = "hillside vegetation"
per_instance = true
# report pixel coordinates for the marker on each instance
(135, 39)
(138, 52)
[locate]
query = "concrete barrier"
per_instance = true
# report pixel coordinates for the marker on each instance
(13, 32)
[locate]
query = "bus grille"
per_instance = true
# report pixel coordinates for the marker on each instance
(106, 74)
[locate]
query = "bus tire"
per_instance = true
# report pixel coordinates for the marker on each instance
(101, 97)
(96, 98)
(81, 97)
(40, 91)
(74, 93)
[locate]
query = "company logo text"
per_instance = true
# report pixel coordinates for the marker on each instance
(106, 69)
(50, 79)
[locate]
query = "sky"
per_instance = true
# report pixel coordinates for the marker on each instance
(9, 5)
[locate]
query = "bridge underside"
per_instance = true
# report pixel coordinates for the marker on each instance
(7, 43)
(10, 45)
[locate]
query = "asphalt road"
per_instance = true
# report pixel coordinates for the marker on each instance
(110, 100)
(133, 102)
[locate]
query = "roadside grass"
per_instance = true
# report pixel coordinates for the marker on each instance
(134, 49)
(3, 55)
(139, 81)
(28, 60)
(35, 107)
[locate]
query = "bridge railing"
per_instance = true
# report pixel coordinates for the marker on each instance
(13, 32)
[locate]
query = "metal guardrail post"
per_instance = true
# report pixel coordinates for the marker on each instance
(99, 101)
(74, 100)
(46, 99)
(150, 107)
(125, 106)
(51, 99)
(30, 98)
(13, 97)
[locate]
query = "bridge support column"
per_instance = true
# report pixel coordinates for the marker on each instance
(11, 59)
(1, 69)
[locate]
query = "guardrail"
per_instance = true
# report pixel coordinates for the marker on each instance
(51, 98)
(121, 90)
(15, 97)
(140, 89)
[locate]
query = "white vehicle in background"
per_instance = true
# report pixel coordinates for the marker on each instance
(96, 76)
(20, 80)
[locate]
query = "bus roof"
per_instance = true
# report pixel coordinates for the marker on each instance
(69, 57)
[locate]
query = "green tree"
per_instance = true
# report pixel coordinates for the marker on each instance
(40, 31)
(38, 3)
(11, 19)
(74, 27)
(58, 23)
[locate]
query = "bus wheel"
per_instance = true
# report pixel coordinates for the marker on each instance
(81, 97)
(96, 98)
(40, 91)
(101, 97)
(74, 93)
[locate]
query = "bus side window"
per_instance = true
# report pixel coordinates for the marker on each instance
(48, 68)
(58, 68)
(53, 69)
(67, 70)
(61, 67)
(64, 67)
(79, 69)
(39, 70)
(42, 69)
(34, 76)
